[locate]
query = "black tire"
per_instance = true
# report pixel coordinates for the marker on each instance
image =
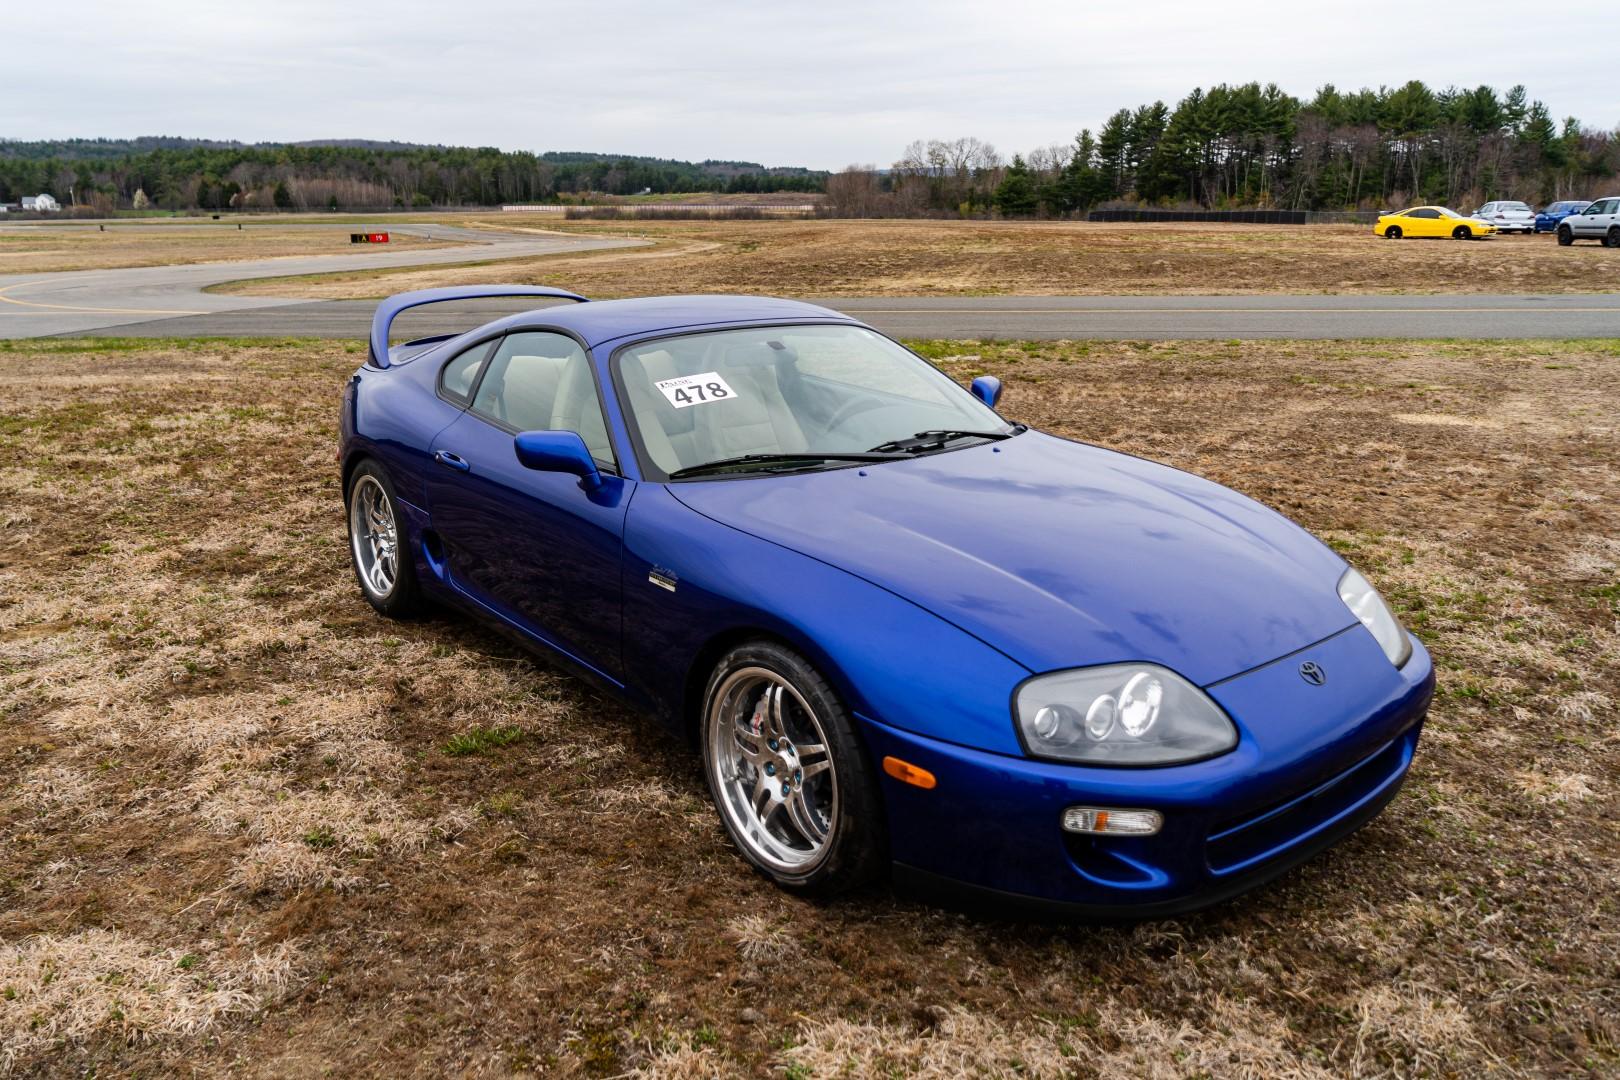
(1613, 238)
(855, 850)
(1462, 232)
(1392, 233)
(1565, 237)
(402, 599)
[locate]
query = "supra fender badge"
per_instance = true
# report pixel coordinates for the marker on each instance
(664, 579)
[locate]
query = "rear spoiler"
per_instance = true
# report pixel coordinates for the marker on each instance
(390, 309)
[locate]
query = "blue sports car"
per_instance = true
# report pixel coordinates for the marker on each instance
(906, 635)
(1548, 218)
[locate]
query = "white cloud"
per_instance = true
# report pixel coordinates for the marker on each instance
(819, 84)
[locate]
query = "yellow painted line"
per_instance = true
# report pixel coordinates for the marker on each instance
(84, 310)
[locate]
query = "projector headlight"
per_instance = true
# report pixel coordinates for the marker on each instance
(1365, 604)
(1121, 714)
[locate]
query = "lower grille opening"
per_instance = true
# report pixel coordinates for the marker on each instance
(1243, 842)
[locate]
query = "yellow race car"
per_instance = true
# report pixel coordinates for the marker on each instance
(1431, 221)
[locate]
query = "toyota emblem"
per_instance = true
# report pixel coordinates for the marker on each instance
(1312, 673)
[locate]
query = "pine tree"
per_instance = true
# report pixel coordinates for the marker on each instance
(1015, 195)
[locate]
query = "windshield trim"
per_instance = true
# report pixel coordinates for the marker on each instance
(649, 469)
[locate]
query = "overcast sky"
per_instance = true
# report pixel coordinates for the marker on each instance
(822, 83)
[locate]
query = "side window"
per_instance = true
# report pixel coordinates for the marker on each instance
(458, 376)
(541, 381)
(1425, 212)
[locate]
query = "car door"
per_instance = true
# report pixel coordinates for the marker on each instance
(1425, 222)
(537, 549)
(1606, 217)
(1590, 222)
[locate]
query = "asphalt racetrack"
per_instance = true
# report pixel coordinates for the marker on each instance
(169, 301)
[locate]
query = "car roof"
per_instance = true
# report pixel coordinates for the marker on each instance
(600, 321)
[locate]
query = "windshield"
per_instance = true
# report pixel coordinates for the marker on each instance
(1515, 206)
(789, 390)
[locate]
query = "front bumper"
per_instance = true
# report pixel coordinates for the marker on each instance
(1308, 770)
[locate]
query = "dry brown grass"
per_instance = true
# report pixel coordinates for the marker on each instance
(955, 258)
(234, 840)
(33, 249)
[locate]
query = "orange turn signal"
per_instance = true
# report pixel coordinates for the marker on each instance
(907, 773)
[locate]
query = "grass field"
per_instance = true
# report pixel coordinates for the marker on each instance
(30, 249)
(249, 827)
(945, 258)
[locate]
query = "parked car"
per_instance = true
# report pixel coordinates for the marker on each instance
(1600, 221)
(1430, 221)
(902, 631)
(1547, 220)
(1508, 216)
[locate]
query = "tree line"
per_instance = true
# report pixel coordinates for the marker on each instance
(1254, 146)
(177, 174)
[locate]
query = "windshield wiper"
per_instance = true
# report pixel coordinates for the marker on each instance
(928, 440)
(809, 456)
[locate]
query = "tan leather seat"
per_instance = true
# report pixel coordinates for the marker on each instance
(757, 420)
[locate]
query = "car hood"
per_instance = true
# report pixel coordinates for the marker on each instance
(1059, 554)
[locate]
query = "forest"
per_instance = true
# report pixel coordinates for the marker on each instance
(183, 174)
(1253, 146)
(1228, 147)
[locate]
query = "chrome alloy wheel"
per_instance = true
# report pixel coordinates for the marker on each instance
(374, 537)
(773, 775)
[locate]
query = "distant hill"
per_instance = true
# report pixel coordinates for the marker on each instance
(171, 172)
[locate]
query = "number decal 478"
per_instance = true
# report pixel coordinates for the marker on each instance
(684, 391)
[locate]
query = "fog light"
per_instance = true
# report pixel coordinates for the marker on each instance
(1093, 819)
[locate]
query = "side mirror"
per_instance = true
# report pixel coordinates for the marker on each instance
(987, 388)
(558, 451)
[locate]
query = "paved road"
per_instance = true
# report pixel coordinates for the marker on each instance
(1008, 317)
(121, 301)
(164, 301)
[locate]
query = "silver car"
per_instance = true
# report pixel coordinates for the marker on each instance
(1508, 216)
(1600, 221)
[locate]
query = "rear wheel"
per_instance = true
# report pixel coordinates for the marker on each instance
(788, 774)
(1462, 232)
(1565, 237)
(1392, 233)
(381, 564)
(1613, 239)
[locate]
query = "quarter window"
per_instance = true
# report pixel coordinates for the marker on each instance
(461, 373)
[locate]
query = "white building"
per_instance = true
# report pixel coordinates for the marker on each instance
(44, 204)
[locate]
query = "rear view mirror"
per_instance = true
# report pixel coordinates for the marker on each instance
(558, 451)
(987, 388)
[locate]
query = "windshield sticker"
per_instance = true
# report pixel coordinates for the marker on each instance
(688, 390)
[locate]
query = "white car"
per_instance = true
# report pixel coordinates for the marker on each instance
(1600, 221)
(1508, 216)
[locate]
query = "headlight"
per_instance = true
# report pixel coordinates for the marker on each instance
(1121, 714)
(1365, 604)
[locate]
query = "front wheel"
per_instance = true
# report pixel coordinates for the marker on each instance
(788, 774)
(1462, 232)
(1392, 233)
(1565, 237)
(381, 563)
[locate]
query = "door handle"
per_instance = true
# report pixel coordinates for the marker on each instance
(454, 461)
